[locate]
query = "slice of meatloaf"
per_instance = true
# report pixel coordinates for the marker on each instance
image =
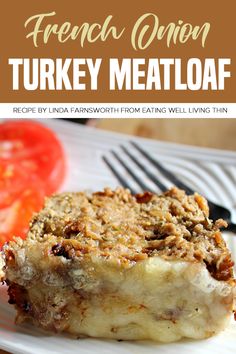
(120, 266)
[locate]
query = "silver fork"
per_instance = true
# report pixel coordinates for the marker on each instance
(216, 211)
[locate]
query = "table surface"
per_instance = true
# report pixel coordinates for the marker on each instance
(214, 133)
(217, 133)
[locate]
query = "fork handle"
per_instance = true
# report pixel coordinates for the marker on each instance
(231, 227)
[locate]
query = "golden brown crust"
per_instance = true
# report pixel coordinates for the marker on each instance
(115, 224)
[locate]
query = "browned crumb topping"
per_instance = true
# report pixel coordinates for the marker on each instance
(115, 224)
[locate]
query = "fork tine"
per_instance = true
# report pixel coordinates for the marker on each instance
(128, 169)
(119, 177)
(169, 175)
(143, 168)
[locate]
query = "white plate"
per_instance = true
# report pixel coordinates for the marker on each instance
(211, 172)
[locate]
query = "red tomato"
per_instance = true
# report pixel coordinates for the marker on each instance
(20, 196)
(32, 165)
(35, 148)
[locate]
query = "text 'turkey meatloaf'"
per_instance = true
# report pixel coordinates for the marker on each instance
(120, 266)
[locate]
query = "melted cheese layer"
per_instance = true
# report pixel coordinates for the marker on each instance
(155, 299)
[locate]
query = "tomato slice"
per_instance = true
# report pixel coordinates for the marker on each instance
(32, 165)
(20, 196)
(35, 148)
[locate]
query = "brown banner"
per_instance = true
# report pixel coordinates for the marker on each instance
(103, 30)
